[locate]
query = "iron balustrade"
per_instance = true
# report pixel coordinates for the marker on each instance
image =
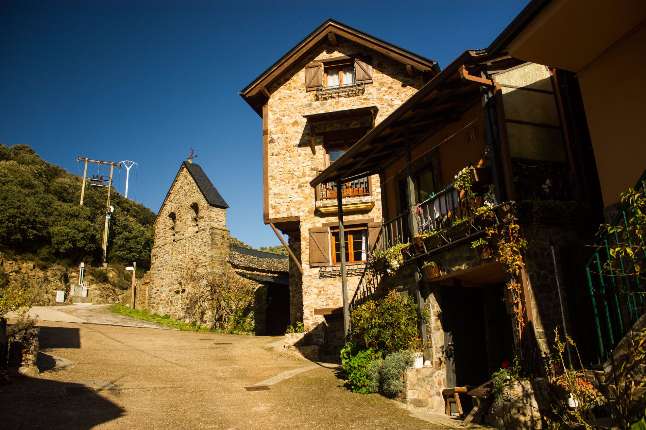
(395, 231)
(617, 292)
(356, 188)
(434, 212)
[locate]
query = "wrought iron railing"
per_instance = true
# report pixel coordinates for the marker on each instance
(356, 188)
(617, 291)
(395, 231)
(370, 279)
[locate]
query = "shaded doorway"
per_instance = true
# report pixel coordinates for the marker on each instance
(478, 333)
(277, 313)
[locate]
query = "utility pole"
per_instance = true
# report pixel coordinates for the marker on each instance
(108, 209)
(84, 178)
(128, 165)
(108, 214)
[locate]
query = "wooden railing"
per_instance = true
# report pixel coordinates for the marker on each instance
(357, 188)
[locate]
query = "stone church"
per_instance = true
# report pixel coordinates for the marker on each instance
(191, 238)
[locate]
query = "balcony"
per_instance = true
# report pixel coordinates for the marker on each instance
(357, 197)
(340, 91)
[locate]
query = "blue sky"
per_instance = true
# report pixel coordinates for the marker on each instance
(148, 80)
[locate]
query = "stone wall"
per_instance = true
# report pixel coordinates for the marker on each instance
(293, 163)
(42, 281)
(187, 245)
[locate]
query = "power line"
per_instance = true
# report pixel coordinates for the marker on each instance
(98, 180)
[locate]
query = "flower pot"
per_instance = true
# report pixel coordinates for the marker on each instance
(418, 243)
(407, 253)
(485, 252)
(418, 360)
(431, 270)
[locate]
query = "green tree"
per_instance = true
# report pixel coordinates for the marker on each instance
(130, 241)
(23, 217)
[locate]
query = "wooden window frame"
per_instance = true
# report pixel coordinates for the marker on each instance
(339, 66)
(349, 232)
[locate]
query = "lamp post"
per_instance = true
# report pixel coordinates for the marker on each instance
(133, 284)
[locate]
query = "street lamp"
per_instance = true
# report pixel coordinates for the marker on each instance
(133, 269)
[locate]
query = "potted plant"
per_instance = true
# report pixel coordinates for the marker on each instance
(418, 243)
(431, 270)
(463, 181)
(484, 249)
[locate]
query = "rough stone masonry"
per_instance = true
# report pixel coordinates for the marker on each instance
(191, 238)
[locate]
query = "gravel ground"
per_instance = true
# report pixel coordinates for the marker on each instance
(106, 376)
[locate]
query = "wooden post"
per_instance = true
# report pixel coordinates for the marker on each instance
(84, 180)
(413, 228)
(344, 277)
(104, 245)
(134, 285)
(289, 250)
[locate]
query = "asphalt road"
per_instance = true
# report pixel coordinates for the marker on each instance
(95, 374)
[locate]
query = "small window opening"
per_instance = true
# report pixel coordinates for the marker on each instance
(196, 214)
(173, 223)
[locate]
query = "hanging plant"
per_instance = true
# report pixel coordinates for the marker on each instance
(464, 180)
(389, 260)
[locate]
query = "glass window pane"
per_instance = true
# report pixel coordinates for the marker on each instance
(348, 76)
(425, 186)
(333, 78)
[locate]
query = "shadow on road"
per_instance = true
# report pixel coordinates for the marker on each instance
(59, 337)
(32, 403)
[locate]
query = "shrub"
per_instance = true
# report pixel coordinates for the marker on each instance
(100, 275)
(298, 327)
(388, 324)
(361, 368)
(392, 372)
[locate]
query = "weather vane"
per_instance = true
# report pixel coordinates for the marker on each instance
(191, 155)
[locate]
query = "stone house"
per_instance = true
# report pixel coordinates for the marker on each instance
(315, 102)
(500, 123)
(191, 237)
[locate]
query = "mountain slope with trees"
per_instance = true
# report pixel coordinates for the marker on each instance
(40, 215)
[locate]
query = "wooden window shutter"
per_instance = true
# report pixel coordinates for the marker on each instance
(313, 76)
(374, 228)
(319, 247)
(362, 71)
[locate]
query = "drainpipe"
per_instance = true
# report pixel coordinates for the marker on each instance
(557, 278)
(344, 278)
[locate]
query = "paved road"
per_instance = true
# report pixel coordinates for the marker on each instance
(114, 376)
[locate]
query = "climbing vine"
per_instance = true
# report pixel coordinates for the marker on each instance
(510, 247)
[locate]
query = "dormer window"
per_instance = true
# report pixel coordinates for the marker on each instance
(337, 73)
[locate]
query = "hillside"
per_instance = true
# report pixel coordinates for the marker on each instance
(40, 216)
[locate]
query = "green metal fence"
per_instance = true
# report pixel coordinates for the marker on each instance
(617, 291)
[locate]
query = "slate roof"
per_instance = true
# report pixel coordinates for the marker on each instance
(258, 254)
(205, 185)
(258, 261)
